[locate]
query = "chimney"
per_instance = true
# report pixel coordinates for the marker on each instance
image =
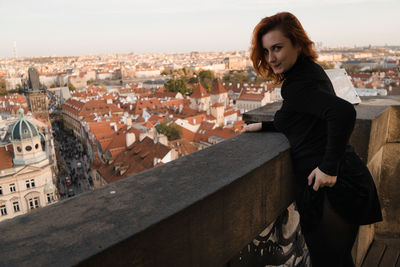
(155, 161)
(130, 139)
(113, 124)
(129, 121)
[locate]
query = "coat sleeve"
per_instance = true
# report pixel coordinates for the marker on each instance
(268, 126)
(340, 115)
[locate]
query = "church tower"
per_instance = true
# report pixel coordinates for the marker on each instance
(36, 96)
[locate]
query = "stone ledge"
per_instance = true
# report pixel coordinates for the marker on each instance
(368, 109)
(228, 192)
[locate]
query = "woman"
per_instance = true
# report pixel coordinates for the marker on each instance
(335, 191)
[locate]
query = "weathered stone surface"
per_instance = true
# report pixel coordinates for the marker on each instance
(198, 210)
(389, 191)
(368, 109)
(394, 122)
(363, 241)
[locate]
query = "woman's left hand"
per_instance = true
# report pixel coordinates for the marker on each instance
(321, 179)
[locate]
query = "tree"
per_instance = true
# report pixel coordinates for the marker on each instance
(166, 72)
(177, 85)
(236, 77)
(71, 87)
(20, 89)
(206, 78)
(89, 82)
(193, 80)
(170, 130)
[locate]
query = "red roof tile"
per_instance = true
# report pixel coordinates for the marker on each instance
(138, 157)
(218, 88)
(199, 92)
(6, 156)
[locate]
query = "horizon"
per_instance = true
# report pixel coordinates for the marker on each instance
(73, 28)
(186, 52)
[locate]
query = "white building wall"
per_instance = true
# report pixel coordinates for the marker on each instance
(185, 124)
(167, 158)
(40, 173)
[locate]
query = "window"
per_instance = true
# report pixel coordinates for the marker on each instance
(32, 182)
(16, 206)
(50, 197)
(34, 203)
(28, 184)
(12, 188)
(28, 148)
(3, 210)
(1, 190)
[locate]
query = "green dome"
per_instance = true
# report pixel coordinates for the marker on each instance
(23, 129)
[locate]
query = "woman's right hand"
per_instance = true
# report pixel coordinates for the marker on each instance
(252, 127)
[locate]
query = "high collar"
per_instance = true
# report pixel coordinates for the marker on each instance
(298, 66)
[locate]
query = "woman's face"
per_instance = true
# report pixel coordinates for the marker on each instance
(279, 51)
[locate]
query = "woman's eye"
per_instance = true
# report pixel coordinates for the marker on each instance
(277, 48)
(266, 51)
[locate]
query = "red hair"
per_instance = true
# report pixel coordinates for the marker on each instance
(291, 29)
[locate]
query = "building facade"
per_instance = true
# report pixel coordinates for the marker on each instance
(26, 173)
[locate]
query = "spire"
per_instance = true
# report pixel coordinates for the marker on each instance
(218, 88)
(21, 112)
(199, 92)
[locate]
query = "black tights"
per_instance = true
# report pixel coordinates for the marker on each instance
(331, 242)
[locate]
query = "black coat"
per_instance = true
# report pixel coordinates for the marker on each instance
(318, 125)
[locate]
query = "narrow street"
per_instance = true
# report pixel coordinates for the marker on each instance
(74, 177)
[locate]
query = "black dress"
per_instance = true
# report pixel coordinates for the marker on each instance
(318, 125)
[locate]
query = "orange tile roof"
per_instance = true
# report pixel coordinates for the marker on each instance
(217, 105)
(207, 130)
(183, 147)
(11, 103)
(186, 134)
(118, 140)
(230, 112)
(218, 88)
(199, 92)
(165, 94)
(138, 157)
(87, 109)
(6, 156)
(194, 120)
(247, 95)
(238, 125)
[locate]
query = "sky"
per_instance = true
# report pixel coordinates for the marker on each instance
(64, 28)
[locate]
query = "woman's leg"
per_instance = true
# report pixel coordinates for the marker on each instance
(331, 242)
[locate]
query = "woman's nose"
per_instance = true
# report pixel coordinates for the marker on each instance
(271, 57)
